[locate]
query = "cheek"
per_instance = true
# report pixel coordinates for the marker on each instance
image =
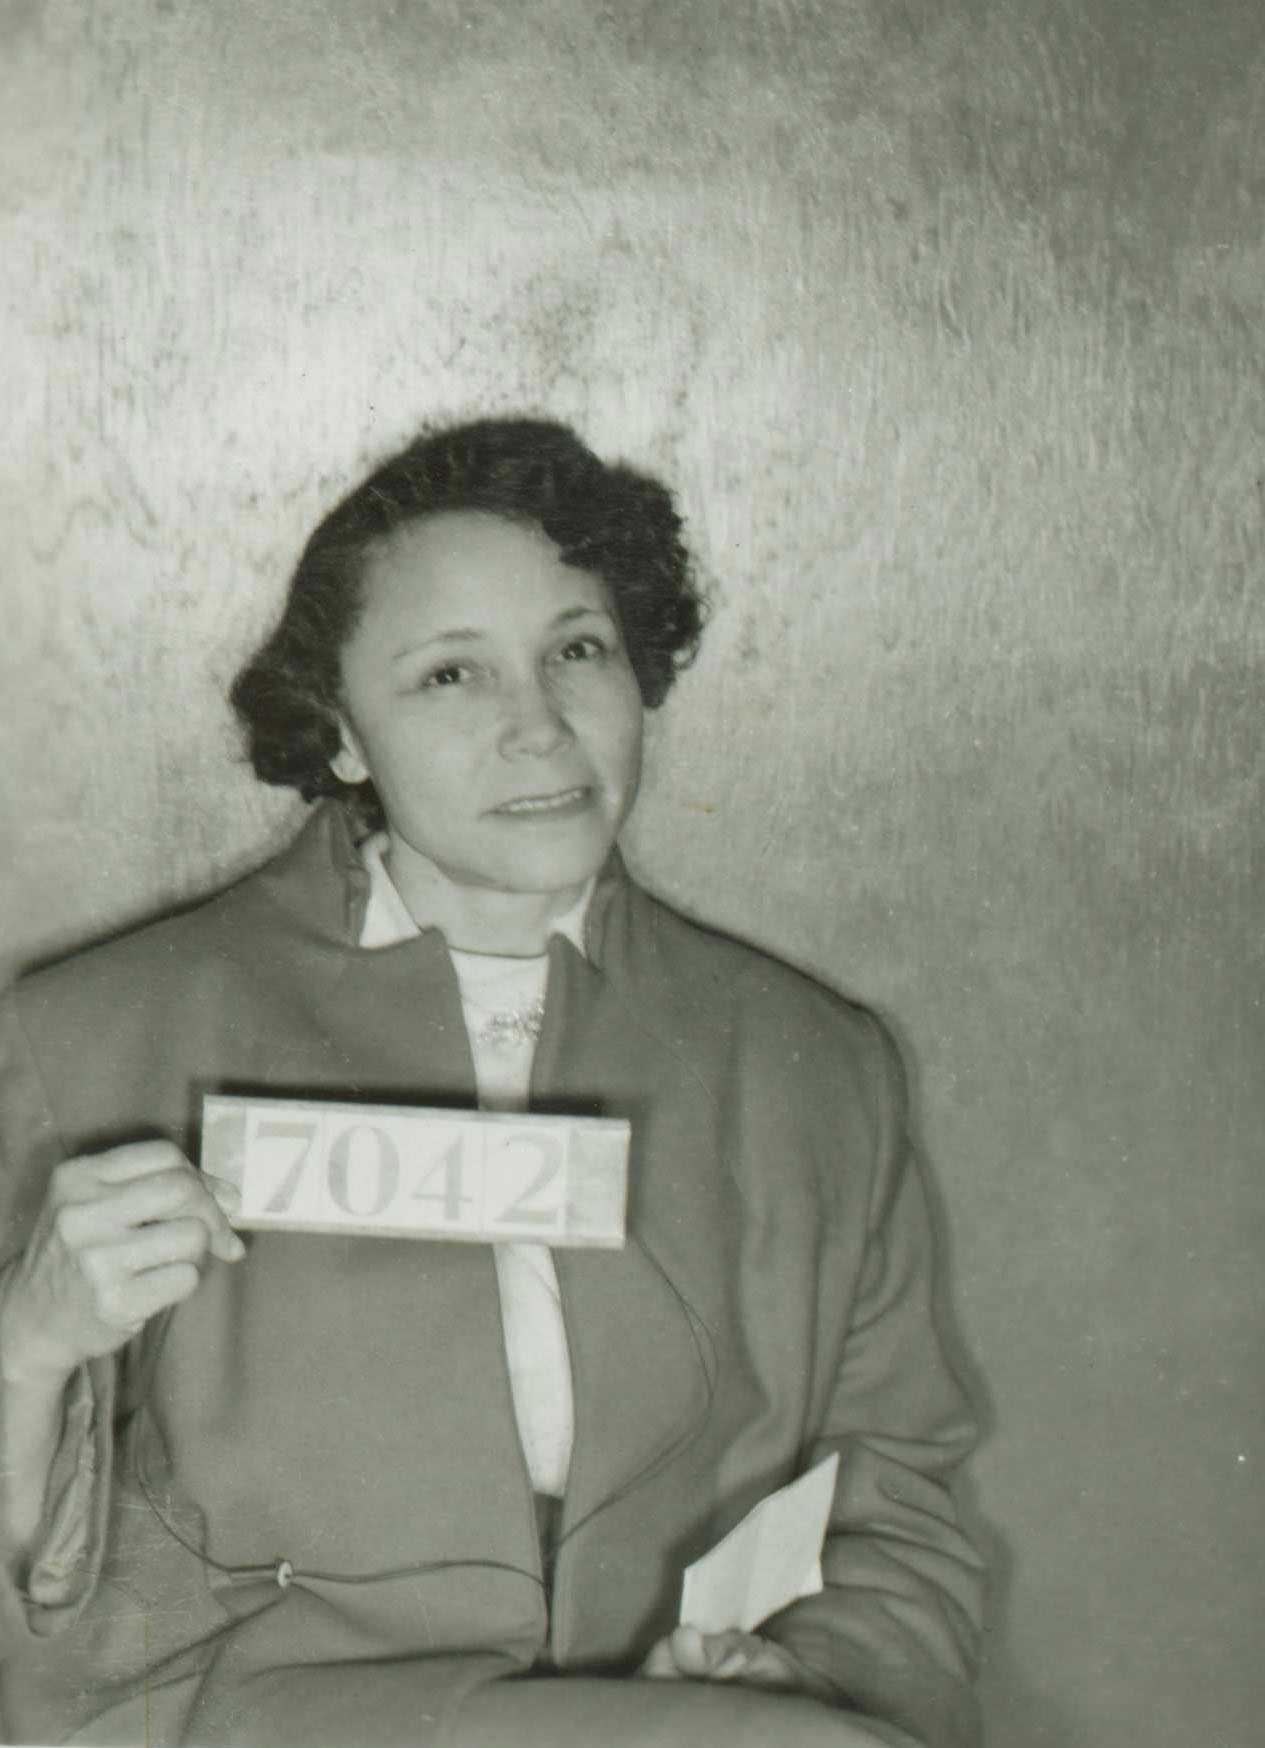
(413, 765)
(623, 742)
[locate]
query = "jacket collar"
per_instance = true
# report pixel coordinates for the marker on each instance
(321, 881)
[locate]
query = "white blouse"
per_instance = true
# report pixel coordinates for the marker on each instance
(498, 995)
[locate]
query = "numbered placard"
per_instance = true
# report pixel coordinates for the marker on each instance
(400, 1171)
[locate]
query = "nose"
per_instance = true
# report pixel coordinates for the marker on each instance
(533, 726)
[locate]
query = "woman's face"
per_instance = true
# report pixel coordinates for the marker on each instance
(488, 694)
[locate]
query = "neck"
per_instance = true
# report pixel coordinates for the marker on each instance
(476, 919)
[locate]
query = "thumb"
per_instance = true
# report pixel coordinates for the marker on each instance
(693, 1651)
(660, 1664)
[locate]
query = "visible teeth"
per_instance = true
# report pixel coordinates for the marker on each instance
(543, 804)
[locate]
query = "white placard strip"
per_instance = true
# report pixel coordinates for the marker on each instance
(408, 1171)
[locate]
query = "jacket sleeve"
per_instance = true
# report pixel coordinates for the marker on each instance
(894, 1632)
(66, 1558)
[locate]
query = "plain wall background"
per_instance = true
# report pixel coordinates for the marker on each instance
(945, 317)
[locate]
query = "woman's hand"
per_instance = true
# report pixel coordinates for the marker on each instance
(121, 1236)
(688, 1654)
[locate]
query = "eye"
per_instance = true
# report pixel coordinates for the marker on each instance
(582, 649)
(448, 674)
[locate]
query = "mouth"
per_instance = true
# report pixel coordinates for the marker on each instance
(562, 801)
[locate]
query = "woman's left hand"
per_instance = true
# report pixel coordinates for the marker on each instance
(688, 1654)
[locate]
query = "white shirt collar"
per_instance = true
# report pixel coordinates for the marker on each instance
(388, 920)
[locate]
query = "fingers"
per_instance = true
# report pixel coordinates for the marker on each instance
(226, 1194)
(136, 1159)
(141, 1297)
(757, 1663)
(151, 1247)
(164, 1196)
(660, 1664)
(145, 1271)
(686, 1653)
(108, 1194)
(692, 1651)
(228, 1199)
(121, 1235)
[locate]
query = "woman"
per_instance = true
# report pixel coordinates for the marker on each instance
(329, 1489)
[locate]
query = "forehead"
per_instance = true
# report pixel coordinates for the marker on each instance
(474, 561)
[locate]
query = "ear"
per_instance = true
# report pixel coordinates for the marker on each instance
(348, 763)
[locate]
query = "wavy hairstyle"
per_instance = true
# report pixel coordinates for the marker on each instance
(609, 520)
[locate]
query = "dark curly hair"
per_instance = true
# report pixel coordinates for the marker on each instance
(610, 520)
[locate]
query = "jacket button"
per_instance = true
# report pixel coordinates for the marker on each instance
(284, 1574)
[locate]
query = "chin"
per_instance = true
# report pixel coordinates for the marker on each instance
(558, 877)
(555, 869)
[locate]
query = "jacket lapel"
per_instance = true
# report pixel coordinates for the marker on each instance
(639, 1352)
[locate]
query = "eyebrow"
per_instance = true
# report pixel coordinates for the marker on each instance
(474, 633)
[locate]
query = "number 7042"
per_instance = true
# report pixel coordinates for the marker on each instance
(308, 1165)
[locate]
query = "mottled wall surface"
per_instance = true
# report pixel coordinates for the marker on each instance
(947, 320)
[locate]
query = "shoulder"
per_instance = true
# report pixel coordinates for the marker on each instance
(809, 1081)
(722, 987)
(151, 949)
(746, 974)
(242, 925)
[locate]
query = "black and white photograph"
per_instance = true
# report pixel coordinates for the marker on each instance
(631, 923)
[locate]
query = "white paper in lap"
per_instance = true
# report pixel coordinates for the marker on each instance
(768, 1560)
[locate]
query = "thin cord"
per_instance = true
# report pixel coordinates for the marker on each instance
(709, 1364)
(708, 1359)
(274, 1569)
